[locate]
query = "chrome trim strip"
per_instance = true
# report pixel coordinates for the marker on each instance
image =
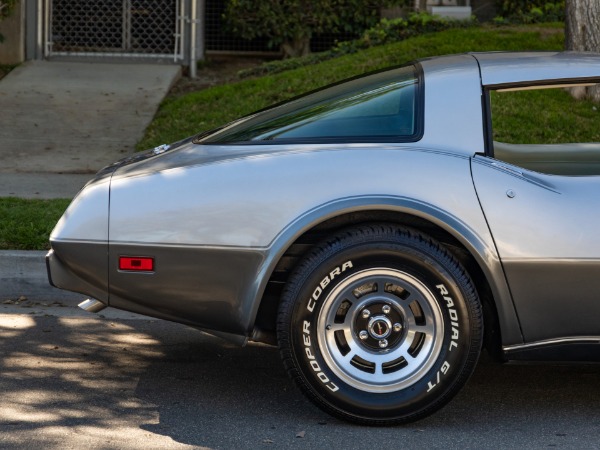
(79, 241)
(553, 260)
(549, 342)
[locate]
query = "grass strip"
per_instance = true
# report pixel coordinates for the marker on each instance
(547, 116)
(26, 224)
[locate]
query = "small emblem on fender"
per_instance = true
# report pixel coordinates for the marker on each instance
(161, 149)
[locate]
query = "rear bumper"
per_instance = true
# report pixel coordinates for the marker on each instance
(79, 267)
(49, 255)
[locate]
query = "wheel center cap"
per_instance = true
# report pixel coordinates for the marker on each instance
(379, 327)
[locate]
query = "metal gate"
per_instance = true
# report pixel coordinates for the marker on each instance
(115, 28)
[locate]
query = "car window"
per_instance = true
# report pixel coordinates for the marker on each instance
(543, 128)
(380, 106)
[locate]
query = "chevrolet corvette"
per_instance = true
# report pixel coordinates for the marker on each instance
(381, 231)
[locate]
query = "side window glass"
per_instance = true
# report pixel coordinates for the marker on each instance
(544, 129)
(381, 106)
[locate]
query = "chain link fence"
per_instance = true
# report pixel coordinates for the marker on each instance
(115, 27)
(148, 29)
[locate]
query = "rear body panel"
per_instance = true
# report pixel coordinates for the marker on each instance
(289, 190)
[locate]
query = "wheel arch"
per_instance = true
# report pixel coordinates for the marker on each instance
(470, 248)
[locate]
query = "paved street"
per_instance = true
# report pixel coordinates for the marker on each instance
(70, 379)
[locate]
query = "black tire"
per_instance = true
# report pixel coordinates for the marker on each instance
(371, 284)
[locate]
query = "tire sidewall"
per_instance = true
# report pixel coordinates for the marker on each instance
(445, 286)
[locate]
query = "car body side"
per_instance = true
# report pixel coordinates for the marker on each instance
(221, 220)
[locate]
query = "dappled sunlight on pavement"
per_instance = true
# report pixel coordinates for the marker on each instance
(71, 381)
(92, 382)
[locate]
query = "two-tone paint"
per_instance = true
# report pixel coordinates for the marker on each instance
(217, 219)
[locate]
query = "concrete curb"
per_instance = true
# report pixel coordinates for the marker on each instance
(23, 273)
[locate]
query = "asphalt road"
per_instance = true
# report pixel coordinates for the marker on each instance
(76, 380)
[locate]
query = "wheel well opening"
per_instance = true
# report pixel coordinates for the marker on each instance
(265, 323)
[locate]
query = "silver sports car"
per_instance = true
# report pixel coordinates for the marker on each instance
(380, 231)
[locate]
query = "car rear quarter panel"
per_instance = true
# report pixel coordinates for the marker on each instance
(231, 220)
(80, 243)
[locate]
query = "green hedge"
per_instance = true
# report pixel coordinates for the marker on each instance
(385, 32)
(530, 11)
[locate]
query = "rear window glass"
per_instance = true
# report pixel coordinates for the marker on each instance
(380, 107)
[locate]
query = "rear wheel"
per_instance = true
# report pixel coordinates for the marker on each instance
(380, 325)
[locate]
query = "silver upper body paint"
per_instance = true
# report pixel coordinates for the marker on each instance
(500, 68)
(233, 210)
(246, 195)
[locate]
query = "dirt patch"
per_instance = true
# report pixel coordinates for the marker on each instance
(215, 71)
(4, 71)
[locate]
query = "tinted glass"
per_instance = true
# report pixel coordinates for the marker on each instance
(378, 106)
(545, 129)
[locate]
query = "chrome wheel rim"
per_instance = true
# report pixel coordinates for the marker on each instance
(380, 330)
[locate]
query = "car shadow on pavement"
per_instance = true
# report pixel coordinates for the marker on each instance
(230, 397)
(76, 382)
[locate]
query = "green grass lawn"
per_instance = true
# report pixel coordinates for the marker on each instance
(546, 116)
(26, 224)
(5, 68)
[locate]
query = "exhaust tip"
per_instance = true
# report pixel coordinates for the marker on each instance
(91, 305)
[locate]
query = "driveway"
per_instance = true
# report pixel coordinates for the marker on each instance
(61, 122)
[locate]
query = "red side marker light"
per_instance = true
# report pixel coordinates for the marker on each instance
(136, 263)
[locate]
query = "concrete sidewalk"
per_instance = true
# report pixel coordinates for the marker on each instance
(60, 122)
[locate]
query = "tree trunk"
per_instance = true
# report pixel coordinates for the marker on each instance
(420, 5)
(296, 47)
(582, 34)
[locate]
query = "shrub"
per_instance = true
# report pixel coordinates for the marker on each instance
(530, 11)
(290, 24)
(386, 31)
(6, 7)
(393, 30)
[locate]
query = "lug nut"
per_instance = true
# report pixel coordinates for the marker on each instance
(366, 313)
(383, 343)
(363, 335)
(386, 309)
(397, 327)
